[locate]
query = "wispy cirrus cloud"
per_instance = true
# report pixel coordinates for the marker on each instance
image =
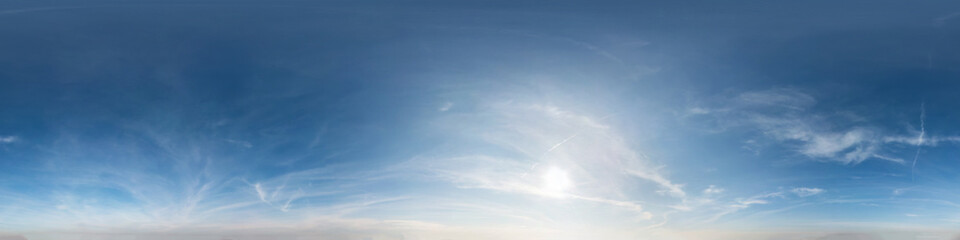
(806, 192)
(532, 139)
(785, 115)
(942, 20)
(445, 107)
(8, 139)
(713, 190)
(111, 183)
(744, 203)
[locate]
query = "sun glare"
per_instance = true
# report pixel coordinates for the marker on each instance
(556, 181)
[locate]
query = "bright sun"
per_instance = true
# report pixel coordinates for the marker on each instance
(556, 181)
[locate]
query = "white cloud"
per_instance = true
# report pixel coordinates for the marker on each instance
(698, 111)
(600, 164)
(445, 107)
(941, 20)
(898, 191)
(778, 97)
(713, 190)
(286, 206)
(244, 144)
(669, 187)
(260, 193)
(741, 204)
(806, 192)
(784, 115)
(9, 139)
(850, 146)
(925, 141)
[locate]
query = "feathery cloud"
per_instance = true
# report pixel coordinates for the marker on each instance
(806, 192)
(597, 161)
(713, 190)
(9, 139)
(783, 114)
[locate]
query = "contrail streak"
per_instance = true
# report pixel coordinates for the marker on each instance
(555, 146)
(544, 154)
(923, 115)
(561, 143)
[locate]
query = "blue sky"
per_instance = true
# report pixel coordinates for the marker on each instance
(479, 120)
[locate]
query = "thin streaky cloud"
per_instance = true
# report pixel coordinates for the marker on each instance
(916, 156)
(806, 192)
(9, 139)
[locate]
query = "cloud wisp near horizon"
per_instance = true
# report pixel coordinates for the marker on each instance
(377, 120)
